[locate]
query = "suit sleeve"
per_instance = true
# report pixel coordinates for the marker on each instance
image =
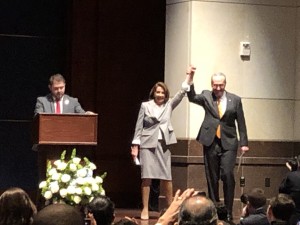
(77, 107)
(195, 98)
(241, 124)
(285, 187)
(139, 126)
(39, 107)
(177, 99)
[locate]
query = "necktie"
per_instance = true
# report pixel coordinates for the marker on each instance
(218, 132)
(57, 109)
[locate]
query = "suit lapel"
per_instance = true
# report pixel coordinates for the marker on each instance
(151, 109)
(66, 104)
(229, 102)
(213, 100)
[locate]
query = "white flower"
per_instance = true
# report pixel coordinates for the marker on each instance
(71, 181)
(78, 191)
(65, 178)
(56, 162)
(62, 166)
(73, 167)
(71, 190)
(87, 191)
(48, 195)
(92, 166)
(77, 199)
(102, 192)
(95, 187)
(80, 180)
(52, 171)
(55, 176)
(42, 184)
(82, 172)
(89, 180)
(67, 102)
(63, 192)
(76, 160)
(54, 187)
(99, 180)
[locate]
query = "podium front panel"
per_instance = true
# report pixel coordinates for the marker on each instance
(66, 129)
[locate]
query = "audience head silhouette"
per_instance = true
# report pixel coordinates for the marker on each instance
(280, 208)
(101, 209)
(198, 210)
(58, 214)
(16, 207)
(257, 198)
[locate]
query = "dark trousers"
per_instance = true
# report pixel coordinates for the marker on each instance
(219, 164)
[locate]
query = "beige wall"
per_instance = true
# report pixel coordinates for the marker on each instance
(208, 34)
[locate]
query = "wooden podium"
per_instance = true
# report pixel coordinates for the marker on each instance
(54, 133)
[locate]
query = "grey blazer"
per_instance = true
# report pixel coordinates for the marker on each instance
(234, 113)
(148, 125)
(46, 105)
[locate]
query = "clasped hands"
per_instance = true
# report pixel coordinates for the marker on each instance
(190, 74)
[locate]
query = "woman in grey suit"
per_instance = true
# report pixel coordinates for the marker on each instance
(153, 135)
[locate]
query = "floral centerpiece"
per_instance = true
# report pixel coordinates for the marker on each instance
(71, 181)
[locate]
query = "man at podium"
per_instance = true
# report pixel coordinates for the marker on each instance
(57, 101)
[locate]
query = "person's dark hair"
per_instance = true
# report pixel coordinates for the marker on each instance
(16, 207)
(102, 209)
(164, 87)
(293, 163)
(282, 207)
(257, 198)
(58, 214)
(198, 210)
(56, 77)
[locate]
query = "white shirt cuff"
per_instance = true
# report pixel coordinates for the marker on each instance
(136, 142)
(185, 86)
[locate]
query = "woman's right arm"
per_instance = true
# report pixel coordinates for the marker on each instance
(138, 131)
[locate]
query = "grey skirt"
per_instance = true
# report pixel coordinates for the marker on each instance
(156, 162)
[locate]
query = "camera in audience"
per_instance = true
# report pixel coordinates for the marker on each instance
(244, 198)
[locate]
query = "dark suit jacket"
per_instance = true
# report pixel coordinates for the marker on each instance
(234, 112)
(46, 105)
(291, 186)
(257, 218)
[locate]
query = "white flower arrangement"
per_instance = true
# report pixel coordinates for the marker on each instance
(71, 181)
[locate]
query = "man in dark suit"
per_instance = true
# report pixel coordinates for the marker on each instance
(57, 101)
(291, 186)
(219, 136)
(254, 212)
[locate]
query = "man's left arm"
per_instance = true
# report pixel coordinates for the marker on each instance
(77, 106)
(242, 126)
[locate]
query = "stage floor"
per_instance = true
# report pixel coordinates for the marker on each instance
(135, 213)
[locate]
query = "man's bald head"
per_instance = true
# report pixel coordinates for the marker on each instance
(198, 210)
